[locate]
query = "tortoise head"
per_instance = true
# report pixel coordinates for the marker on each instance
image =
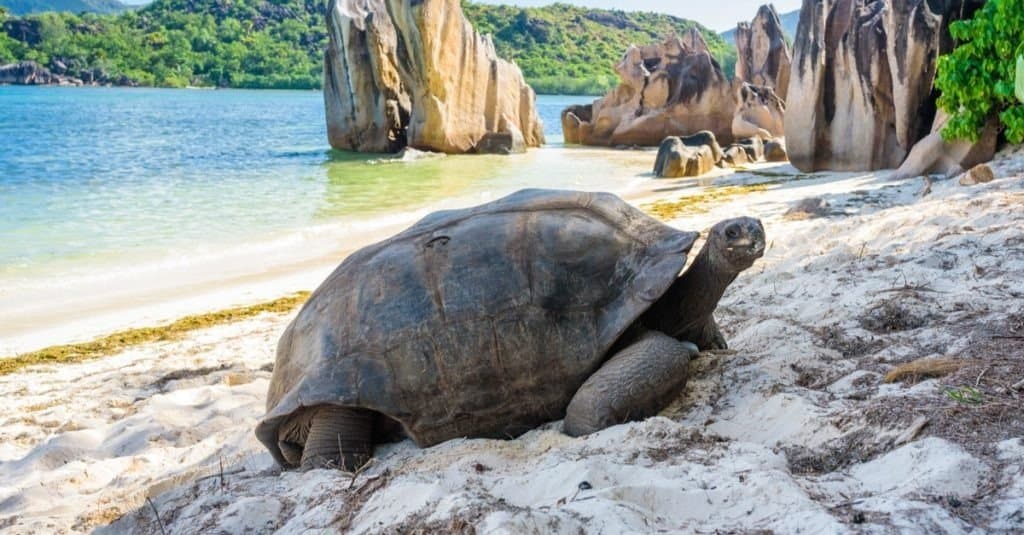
(736, 243)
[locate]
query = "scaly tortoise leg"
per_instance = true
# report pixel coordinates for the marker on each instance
(339, 437)
(635, 383)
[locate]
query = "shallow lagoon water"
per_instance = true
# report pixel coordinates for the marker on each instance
(101, 174)
(112, 195)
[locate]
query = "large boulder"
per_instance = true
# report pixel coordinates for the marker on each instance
(677, 159)
(860, 91)
(934, 155)
(760, 113)
(31, 73)
(400, 73)
(671, 88)
(762, 55)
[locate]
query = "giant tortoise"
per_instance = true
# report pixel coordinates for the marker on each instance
(488, 321)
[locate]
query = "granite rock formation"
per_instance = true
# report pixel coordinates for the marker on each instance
(860, 92)
(934, 155)
(400, 73)
(676, 159)
(667, 89)
(762, 55)
(775, 151)
(31, 73)
(759, 113)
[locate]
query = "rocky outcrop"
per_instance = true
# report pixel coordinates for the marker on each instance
(762, 55)
(667, 89)
(676, 159)
(399, 73)
(759, 113)
(934, 155)
(31, 73)
(860, 94)
(775, 151)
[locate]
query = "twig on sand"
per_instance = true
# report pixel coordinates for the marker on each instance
(927, 186)
(1007, 337)
(360, 470)
(908, 288)
(911, 432)
(1019, 385)
(157, 515)
(221, 474)
(977, 381)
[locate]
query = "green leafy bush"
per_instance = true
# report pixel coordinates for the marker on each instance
(977, 78)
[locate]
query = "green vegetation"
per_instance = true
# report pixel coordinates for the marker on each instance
(25, 7)
(572, 50)
(280, 43)
(977, 78)
(119, 341)
(176, 43)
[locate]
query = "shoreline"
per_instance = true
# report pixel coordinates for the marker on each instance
(59, 308)
(85, 317)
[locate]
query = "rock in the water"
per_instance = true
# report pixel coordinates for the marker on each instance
(668, 89)
(979, 174)
(32, 73)
(775, 151)
(573, 119)
(761, 113)
(676, 159)
(862, 75)
(509, 142)
(735, 156)
(417, 74)
(763, 57)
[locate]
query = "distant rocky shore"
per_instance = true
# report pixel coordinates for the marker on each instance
(32, 73)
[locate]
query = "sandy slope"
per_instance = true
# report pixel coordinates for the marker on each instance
(792, 431)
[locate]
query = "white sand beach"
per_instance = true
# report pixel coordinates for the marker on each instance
(792, 430)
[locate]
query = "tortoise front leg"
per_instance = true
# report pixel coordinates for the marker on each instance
(339, 437)
(635, 383)
(711, 337)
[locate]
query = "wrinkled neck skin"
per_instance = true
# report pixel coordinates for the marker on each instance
(685, 309)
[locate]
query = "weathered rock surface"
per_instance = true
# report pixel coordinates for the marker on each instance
(763, 57)
(754, 147)
(31, 73)
(934, 155)
(979, 174)
(704, 138)
(676, 159)
(402, 73)
(735, 155)
(760, 113)
(775, 151)
(860, 92)
(671, 88)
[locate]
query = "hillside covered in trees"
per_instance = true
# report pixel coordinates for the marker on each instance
(280, 43)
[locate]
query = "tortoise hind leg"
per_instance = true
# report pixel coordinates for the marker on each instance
(339, 437)
(635, 383)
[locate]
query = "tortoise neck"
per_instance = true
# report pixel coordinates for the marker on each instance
(683, 310)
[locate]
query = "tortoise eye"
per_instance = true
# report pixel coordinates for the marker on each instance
(732, 233)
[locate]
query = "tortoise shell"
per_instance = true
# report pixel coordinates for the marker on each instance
(481, 322)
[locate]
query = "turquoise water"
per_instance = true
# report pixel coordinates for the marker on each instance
(91, 177)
